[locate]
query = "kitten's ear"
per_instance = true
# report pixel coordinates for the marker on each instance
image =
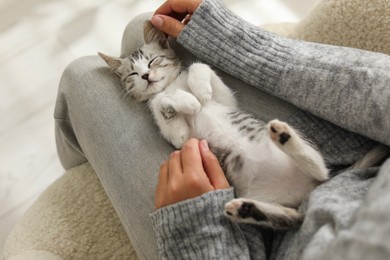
(112, 62)
(151, 34)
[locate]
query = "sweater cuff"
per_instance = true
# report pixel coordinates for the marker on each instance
(212, 202)
(188, 227)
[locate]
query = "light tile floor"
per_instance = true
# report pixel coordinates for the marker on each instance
(38, 38)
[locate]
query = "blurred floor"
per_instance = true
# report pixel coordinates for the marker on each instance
(38, 38)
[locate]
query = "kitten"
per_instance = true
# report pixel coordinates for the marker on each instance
(271, 167)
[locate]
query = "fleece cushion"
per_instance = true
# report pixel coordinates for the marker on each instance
(353, 23)
(73, 218)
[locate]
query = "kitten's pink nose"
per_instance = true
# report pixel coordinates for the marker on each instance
(145, 76)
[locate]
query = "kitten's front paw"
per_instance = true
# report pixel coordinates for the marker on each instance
(279, 131)
(187, 105)
(181, 135)
(168, 112)
(193, 108)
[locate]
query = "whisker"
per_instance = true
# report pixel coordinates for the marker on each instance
(124, 94)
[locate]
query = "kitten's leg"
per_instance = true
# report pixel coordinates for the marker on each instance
(169, 110)
(176, 130)
(222, 93)
(199, 81)
(176, 102)
(261, 213)
(206, 85)
(288, 140)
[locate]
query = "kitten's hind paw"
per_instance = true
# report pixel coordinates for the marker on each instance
(203, 91)
(279, 131)
(243, 211)
(261, 213)
(199, 81)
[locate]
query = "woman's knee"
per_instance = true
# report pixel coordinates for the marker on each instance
(81, 68)
(133, 36)
(87, 74)
(87, 79)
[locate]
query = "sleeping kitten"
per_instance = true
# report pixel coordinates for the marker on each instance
(271, 167)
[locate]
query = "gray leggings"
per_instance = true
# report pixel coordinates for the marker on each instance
(118, 137)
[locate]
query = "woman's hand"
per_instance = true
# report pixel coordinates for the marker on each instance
(189, 173)
(173, 15)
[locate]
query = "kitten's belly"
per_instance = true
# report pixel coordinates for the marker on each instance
(277, 179)
(270, 175)
(267, 174)
(211, 124)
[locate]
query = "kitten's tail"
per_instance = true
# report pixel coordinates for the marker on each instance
(377, 155)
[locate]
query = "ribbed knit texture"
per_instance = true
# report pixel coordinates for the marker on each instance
(345, 86)
(221, 38)
(197, 229)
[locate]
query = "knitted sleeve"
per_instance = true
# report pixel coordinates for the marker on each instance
(348, 87)
(197, 229)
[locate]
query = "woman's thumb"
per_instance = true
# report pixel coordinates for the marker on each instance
(212, 167)
(167, 25)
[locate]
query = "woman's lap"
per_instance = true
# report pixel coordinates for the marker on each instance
(117, 136)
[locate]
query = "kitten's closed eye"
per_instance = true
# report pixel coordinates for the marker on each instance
(156, 61)
(131, 74)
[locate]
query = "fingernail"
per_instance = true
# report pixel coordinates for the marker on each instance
(205, 145)
(157, 21)
(174, 153)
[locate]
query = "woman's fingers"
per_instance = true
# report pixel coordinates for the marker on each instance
(172, 7)
(212, 167)
(189, 173)
(161, 185)
(190, 156)
(175, 167)
(173, 15)
(168, 25)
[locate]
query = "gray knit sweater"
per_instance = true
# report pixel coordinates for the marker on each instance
(347, 87)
